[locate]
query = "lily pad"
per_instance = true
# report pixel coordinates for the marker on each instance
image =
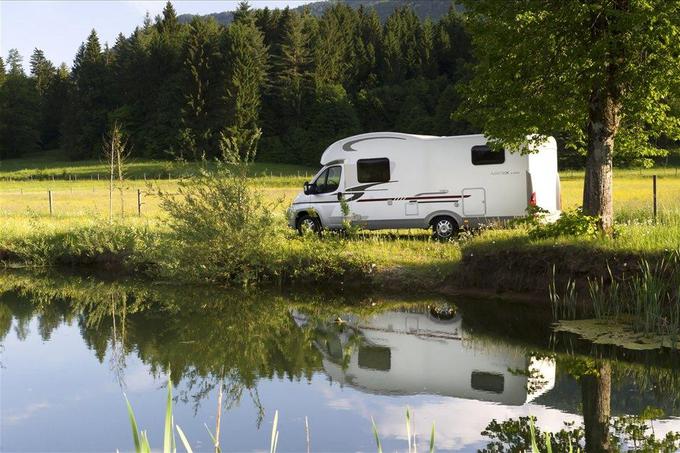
(610, 332)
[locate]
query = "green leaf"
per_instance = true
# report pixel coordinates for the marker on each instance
(377, 437)
(534, 446)
(275, 433)
(168, 441)
(408, 428)
(133, 424)
(214, 440)
(184, 440)
(432, 439)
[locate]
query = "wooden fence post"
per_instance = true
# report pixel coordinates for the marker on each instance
(654, 191)
(139, 202)
(49, 199)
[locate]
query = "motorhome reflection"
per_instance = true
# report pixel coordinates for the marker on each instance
(394, 180)
(419, 351)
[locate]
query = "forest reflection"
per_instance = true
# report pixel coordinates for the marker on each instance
(211, 340)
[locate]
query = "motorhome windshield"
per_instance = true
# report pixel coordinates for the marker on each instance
(329, 179)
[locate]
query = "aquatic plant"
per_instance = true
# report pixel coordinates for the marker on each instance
(650, 297)
(563, 306)
(410, 435)
(141, 438)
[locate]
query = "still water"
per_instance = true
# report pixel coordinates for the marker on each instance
(71, 347)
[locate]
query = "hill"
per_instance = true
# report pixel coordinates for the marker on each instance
(433, 9)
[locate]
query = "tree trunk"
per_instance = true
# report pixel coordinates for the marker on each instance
(603, 123)
(604, 115)
(596, 395)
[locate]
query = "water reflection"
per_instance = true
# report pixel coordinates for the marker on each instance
(406, 352)
(304, 355)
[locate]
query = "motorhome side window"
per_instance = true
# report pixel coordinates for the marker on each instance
(329, 180)
(373, 170)
(483, 155)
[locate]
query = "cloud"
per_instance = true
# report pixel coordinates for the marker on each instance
(25, 413)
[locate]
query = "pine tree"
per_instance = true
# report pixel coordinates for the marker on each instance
(87, 116)
(169, 24)
(19, 111)
(42, 70)
(14, 63)
(335, 61)
(293, 67)
(53, 104)
(244, 13)
(426, 51)
(160, 105)
(368, 48)
(202, 111)
(246, 72)
(2, 71)
(452, 46)
(402, 54)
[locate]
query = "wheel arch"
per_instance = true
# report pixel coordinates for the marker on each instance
(310, 211)
(444, 213)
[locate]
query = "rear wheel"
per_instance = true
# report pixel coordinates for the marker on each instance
(307, 223)
(444, 228)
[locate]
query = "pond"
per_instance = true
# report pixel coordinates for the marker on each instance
(73, 346)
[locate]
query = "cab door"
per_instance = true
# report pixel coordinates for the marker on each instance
(325, 199)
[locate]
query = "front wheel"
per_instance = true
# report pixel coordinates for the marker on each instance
(444, 228)
(307, 223)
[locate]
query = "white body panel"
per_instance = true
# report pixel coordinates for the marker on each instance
(432, 176)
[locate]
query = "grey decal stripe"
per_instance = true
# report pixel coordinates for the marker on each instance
(348, 146)
(367, 186)
(355, 196)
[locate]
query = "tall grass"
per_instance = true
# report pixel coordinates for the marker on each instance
(649, 297)
(142, 444)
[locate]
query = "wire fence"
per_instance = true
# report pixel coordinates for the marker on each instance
(75, 202)
(97, 201)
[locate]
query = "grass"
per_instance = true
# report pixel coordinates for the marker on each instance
(81, 206)
(142, 444)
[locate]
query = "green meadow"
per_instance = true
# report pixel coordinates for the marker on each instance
(79, 224)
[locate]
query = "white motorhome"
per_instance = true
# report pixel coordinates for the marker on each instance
(415, 351)
(394, 180)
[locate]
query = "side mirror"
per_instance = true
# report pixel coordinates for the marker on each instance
(310, 188)
(305, 187)
(340, 196)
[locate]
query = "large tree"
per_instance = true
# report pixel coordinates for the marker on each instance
(598, 72)
(86, 120)
(246, 71)
(42, 70)
(203, 98)
(19, 110)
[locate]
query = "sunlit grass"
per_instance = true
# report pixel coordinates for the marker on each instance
(82, 202)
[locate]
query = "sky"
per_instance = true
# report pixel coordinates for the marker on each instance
(58, 27)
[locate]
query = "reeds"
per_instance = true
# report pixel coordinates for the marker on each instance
(563, 306)
(142, 444)
(650, 298)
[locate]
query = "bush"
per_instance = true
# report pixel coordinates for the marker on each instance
(219, 226)
(222, 231)
(570, 223)
(90, 244)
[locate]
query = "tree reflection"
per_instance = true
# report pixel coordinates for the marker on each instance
(599, 433)
(203, 337)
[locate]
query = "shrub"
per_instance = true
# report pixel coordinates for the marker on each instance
(223, 231)
(220, 226)
(570, 223)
